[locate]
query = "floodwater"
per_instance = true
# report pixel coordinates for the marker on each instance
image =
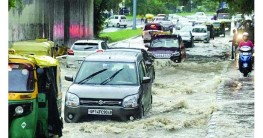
(184, 96)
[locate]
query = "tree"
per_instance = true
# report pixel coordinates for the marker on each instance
(12, 3)
(100, 6)
(242, 6)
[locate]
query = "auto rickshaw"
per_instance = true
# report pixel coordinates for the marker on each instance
(149, 18)
(219, 28)
(35, 47)
(34, 96)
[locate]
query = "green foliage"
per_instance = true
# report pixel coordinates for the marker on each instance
(121, 35)
(12, 4)
(242, 6)
(99, 17)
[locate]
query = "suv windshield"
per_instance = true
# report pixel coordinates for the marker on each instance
(199, 30)
(20, 78)
(120, 73)
(85, 46)
(166, 42)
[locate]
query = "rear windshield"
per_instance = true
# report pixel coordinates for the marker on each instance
(199, 30)
(123, 17)
(153, 27)
(20, 78)
(85, 46)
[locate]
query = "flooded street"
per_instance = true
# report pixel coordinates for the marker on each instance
(184, 97)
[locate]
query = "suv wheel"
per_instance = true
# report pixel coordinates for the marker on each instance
(141, 112)
(118, 25)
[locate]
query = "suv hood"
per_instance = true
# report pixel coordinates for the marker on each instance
(103, 91)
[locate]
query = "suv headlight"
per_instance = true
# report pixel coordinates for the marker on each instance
(72, 100)
(176, 54)
(130, 101)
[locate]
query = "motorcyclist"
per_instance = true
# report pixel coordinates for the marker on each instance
(244, 42)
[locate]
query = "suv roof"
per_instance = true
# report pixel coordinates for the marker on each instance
(121, 56)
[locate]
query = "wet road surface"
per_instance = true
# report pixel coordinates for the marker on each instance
(184, 98)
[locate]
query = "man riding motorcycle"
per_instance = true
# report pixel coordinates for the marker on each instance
(244, 42)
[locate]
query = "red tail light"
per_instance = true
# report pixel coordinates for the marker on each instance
(120, 20)
(70, 52)
(99, 50)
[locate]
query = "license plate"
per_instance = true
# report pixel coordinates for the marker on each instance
(99, 112)
(197, 38)
(245, 53)
(79, 61)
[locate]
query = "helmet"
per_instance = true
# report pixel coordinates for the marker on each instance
(245, 34)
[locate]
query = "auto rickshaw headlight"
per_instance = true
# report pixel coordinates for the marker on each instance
(19, 110)
(72, 100)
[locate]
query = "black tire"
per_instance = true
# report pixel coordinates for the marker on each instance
(141, 112)
(245, 74)
(125, 26)
(118, 25)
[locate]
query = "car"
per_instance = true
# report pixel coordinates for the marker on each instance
(149, 60)
(181, 19)
(116, 20)
(158, 19)
(199, 22)
(192, 19)
(171, 16)
(187, 28)
(82, 48)
(187, 38)
(109, 85)
(186, 24)
(167, 47)
(167, 25)
(200, 14)
(149, 29)
(201, 33)
(180, 24)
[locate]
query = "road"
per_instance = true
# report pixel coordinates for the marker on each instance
(186, 99)
(129, 26)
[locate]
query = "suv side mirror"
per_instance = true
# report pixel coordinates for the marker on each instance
(147, 46)
(69, 78)
(146, 80)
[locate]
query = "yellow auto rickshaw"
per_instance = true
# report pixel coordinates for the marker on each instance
(35, 47)
(149, 18)
(34, 96)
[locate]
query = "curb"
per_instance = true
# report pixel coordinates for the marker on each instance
(212, 122)
(110, 44)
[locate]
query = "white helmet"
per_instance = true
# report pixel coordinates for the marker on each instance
(245, 34)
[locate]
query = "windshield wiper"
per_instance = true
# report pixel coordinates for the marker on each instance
(111, 77)
(91, 76)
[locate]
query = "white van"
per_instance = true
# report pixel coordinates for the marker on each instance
(116, 20)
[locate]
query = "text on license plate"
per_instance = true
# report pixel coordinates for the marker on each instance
(245, 53)
(99, 112)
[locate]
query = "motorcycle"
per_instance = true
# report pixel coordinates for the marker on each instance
(245, 60)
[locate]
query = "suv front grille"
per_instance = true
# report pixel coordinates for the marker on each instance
(101, 102)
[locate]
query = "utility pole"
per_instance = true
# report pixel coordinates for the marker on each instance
(134, 15)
